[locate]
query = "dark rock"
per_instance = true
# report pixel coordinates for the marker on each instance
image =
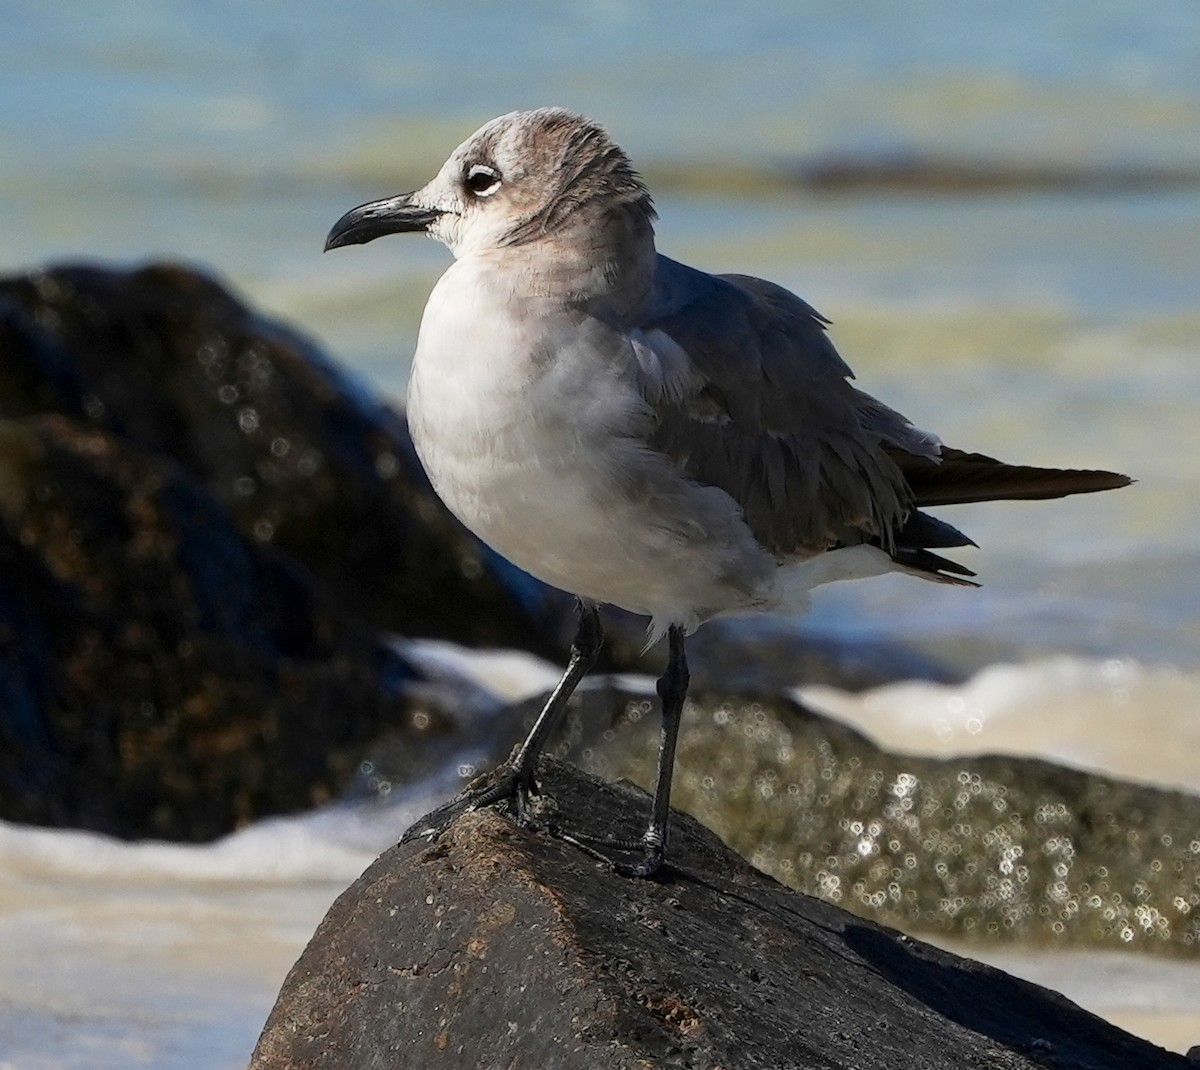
(990, 847)
(299, 454)
(161, 674)
(492, 946)
(204, 526)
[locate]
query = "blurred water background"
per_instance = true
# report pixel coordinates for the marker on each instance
(998, 206)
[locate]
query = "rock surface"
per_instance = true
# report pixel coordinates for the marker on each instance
(987, 847)
(204, 529)
(297, 452)
(161, 674)
(490, 946)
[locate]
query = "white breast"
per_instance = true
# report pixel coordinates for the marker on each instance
(527, 421)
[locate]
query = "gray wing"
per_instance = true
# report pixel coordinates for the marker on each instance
(749, 395)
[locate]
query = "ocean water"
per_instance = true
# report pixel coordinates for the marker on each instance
(1042, 320)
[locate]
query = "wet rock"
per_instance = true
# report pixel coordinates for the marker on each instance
(300, 456)
(987, 847)
(492, 946)
(205, 528)
(161, 674)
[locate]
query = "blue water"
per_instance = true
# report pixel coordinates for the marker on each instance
(202, 108)
(80, 75)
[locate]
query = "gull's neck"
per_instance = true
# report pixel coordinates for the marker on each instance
(600, 262)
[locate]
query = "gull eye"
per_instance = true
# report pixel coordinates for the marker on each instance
(482, 180)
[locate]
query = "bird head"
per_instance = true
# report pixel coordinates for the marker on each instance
(520, 178)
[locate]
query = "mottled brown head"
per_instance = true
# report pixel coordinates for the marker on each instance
(518, 179)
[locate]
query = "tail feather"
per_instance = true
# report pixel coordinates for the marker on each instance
(932, 566)
(921, 531)
(910, 548)
(960, 477)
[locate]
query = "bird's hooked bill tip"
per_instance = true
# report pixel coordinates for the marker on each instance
(392, 215)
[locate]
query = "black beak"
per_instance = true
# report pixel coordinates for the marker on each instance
(392, 215)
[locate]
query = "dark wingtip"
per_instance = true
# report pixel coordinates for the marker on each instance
(933, 566)
(1096, 479)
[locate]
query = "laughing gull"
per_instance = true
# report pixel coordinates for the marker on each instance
(641, 433)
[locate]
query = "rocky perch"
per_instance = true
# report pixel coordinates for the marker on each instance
(474, 943)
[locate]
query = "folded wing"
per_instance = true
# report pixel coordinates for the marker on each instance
(749, 395)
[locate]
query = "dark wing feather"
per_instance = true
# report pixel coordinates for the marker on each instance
(768, 415)
(763, 408)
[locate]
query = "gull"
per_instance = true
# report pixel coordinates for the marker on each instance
(645, 434)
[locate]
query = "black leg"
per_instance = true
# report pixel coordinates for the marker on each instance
(519, 781)
(672, 690)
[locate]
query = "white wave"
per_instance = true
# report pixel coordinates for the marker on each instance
(1115, 716)
(509, 675)
(334, 843)
(276, 850)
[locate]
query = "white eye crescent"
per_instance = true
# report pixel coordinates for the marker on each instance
(482, 180)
